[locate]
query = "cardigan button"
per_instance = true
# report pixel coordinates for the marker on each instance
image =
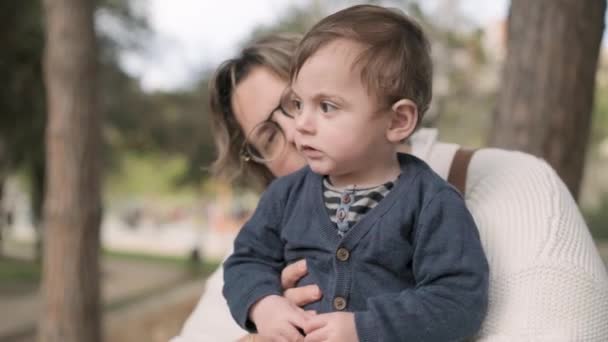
(346, 198)
(339, 303)
(342, 254)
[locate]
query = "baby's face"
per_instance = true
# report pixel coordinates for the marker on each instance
(339, 129)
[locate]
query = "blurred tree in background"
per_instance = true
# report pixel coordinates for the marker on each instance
(546, 99)
(70, 286)
(22, 104)
(22, 101)
(133, 121)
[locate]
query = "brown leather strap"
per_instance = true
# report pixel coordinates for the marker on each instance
(458, 171)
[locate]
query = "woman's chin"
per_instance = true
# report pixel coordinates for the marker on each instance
(284, 167)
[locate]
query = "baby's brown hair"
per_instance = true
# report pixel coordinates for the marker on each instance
(395, 62)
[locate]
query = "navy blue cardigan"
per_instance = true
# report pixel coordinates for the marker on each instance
(412, 269)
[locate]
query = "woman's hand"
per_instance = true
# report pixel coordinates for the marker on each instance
(299, 296)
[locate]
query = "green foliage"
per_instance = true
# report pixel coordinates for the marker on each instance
(121, 25)
(18, 276)
(599, 129)
(146, 174)
(597, 219)
(22, 98)
(165, 123)
(22, 101)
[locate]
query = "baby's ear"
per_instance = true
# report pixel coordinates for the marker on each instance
(404, 117)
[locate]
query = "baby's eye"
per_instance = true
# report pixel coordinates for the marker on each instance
(327, 107)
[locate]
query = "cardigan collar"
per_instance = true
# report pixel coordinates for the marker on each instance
(410, 167)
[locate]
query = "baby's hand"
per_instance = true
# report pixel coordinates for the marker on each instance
(335, 326)
(277, 319)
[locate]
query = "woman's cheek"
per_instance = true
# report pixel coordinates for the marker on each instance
(291, 162)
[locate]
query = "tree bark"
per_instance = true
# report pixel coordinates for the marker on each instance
(3, 172)
(546, 99)
(3, 214)
(37, 179)
(72, 204)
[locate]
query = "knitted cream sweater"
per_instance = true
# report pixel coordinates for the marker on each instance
(547, 282)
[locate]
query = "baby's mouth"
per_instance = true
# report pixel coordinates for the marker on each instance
(310, 152)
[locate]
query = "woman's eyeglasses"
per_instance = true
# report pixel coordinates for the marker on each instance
(267, 140)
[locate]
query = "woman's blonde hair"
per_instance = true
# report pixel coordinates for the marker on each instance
(274, 52)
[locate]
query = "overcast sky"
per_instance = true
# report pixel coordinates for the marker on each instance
(191, 35)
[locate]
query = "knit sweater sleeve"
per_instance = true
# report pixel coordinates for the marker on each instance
(548, 282)
(253, 270)
(210, 320)
(449, 300)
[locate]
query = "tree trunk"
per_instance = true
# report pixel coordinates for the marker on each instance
(3, 172)
(3, 220)
(546, 99)
(72, 205)
(37, 179)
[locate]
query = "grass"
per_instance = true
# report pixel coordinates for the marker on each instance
(18, 270)
(22, 277)
(19, 275)
(198, 269)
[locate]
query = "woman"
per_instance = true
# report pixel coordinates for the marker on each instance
(547, 280)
